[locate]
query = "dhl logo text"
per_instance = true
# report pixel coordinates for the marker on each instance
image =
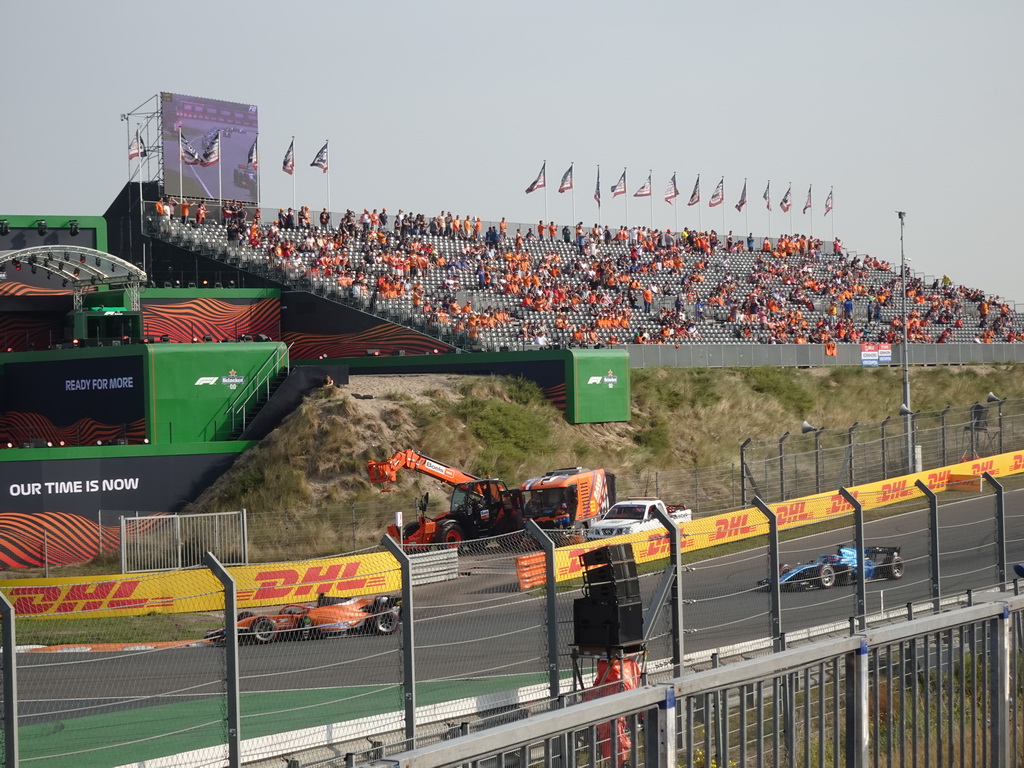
(288, 583)
(795, 512)
(841, 506)
(894, 491)
(938, 479)
(1017, 463)
(106, 595)
(981, 467)
(731, 527)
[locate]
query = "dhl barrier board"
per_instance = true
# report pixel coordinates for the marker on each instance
(746, 523)
(194, 590)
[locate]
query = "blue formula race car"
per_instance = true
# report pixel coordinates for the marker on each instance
(844, 567)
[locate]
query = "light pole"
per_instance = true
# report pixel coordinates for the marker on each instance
(906, 350)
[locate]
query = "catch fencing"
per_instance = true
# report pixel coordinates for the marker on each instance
(479, 654)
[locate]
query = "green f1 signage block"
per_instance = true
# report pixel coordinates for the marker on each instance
(597, 386)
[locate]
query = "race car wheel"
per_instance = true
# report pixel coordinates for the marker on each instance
(306, 631)
(385, 617)
(245, 615)
(452, 534)
(894, 567)
(263, 631)
(826, 577)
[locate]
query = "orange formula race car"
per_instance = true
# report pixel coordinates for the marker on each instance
(327, 616)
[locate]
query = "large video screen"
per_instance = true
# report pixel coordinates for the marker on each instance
(197, 172)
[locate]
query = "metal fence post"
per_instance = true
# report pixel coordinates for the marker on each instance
(942, 424)
(408, 638)
(782, 467)
(853, 453)
(10, 670)
(858, 535)
(551, 601)
(774, 569)
(817, 459)
(857, 735)
(743, 470)
(885, 453)
(933, 540)
(1000, 528)
(672, 587)
(999, 685)
(233, 713)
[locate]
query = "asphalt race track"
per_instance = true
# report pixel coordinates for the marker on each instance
(481, 626)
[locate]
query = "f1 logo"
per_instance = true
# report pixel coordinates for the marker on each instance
(206, 380)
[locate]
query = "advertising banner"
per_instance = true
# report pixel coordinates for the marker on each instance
(198, 590)
(747, 523)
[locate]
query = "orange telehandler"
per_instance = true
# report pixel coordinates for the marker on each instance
(485, 506)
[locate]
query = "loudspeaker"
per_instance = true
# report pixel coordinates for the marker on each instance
(610, 574)
(606, 625)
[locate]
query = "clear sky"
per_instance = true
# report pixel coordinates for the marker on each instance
(454, 104)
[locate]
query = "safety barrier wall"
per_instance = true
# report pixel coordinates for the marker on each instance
(257, 585)
(746, 523)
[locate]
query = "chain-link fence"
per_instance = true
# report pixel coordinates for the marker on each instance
(821, 459)
(346, 654)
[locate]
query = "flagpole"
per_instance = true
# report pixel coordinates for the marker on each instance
(220, 169)
(746, 210)
(328, 159)
(674, 206)
(700, 220)
(811, 209)
(546, 189)
(600, 218)
(724, 206)
(790, 192)
(768, 205)
(181, 173)
(573, 190)
(833, 212)
(650, 173)
(625, 197)
(293, 174)
(259, 185)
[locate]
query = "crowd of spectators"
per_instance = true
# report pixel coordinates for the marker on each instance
(602, 285)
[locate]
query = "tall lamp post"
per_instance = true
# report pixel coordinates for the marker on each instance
(908, 423)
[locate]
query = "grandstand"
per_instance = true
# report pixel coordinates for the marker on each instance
(595, 288)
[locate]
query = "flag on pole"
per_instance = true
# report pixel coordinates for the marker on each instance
(672, 192)
(767, 196)
(786, 203)
(253, 158)
(620, 185)
(743, 198)
(695, 195)
(645, 190)
(540, 182)
(320, 161)
(136, 148)
(288, 166)
(189, 156)
(566, 183)
(212, 154)
(828, 203)
(597, 189)
(718, 196)
(807, 205)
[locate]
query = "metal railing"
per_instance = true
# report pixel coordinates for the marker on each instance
(260, 385)
(172, 542)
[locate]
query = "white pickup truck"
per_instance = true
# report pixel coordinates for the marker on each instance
(634, 515)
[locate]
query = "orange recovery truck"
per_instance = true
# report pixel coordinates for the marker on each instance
(485, 506)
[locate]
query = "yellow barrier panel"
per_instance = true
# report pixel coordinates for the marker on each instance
(746, 523)
(197, 590)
